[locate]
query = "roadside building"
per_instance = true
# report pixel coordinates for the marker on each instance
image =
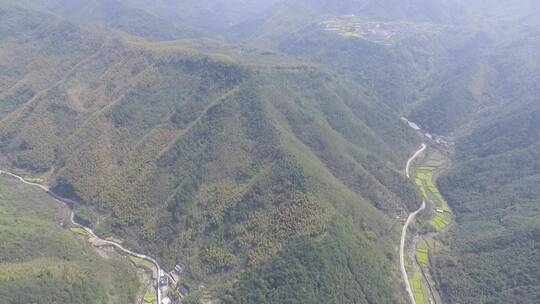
(183, 289)
(164, 281)
(179, 268)
(166, 300)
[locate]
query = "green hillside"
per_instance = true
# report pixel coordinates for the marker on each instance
(208, 16)
(115, 14)
(435, 73)
(228, 163)
(436, 62)
(40, 262)
(473, 75)
(266, 152)
(494, 185)
(494, 189)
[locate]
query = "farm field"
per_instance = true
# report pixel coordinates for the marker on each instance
(141, 263)
(417, 286)
(422, 253)
(441, 212)
(439, 217)
(80, 231)
(150, 296)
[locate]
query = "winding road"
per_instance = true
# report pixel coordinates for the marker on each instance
(409, 162)
(410, 218)
(90, 231)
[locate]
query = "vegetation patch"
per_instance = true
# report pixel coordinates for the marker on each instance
(417, 286)
(150, 296)
(81, 231)
(426, 186)
(217, 259)
(422, 253)
(141, 263)
(440, 221)
(36, 180)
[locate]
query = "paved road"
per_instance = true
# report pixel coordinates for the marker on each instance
(409, 162)
(90, 231)
(410, 218)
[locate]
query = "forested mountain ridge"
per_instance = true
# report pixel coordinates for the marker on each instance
(472, 75)
(114, 14)
(218, 160)
(494, 187)
(434, 61)
(266, 154)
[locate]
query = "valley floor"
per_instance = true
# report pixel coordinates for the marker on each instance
(431, 223)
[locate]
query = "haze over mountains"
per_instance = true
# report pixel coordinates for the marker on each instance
(260, 144)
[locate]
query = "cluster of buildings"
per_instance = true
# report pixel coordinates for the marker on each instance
(166, 281)
(350, 25)
(443, 140)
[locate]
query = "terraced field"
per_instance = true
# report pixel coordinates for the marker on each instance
(441, 212)
(439, 218)
(422, 253)
(420, 293)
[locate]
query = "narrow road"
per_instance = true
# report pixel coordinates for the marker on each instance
(409, 162)
(410, 218)
(90, 231)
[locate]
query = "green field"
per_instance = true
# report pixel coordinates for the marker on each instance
(422, 253)
(440, 221)
(425, 183)
(141, 263)
(80, 231)
(420, 294)
(150, 296)
(419, 184)
(37, 180)
(415, 278)
(424, 180)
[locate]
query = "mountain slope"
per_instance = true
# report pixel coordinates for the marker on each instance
(209, 16)
(41, 262)
(228, 163)
(493, 186)
(114, 14)
(434, 61)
